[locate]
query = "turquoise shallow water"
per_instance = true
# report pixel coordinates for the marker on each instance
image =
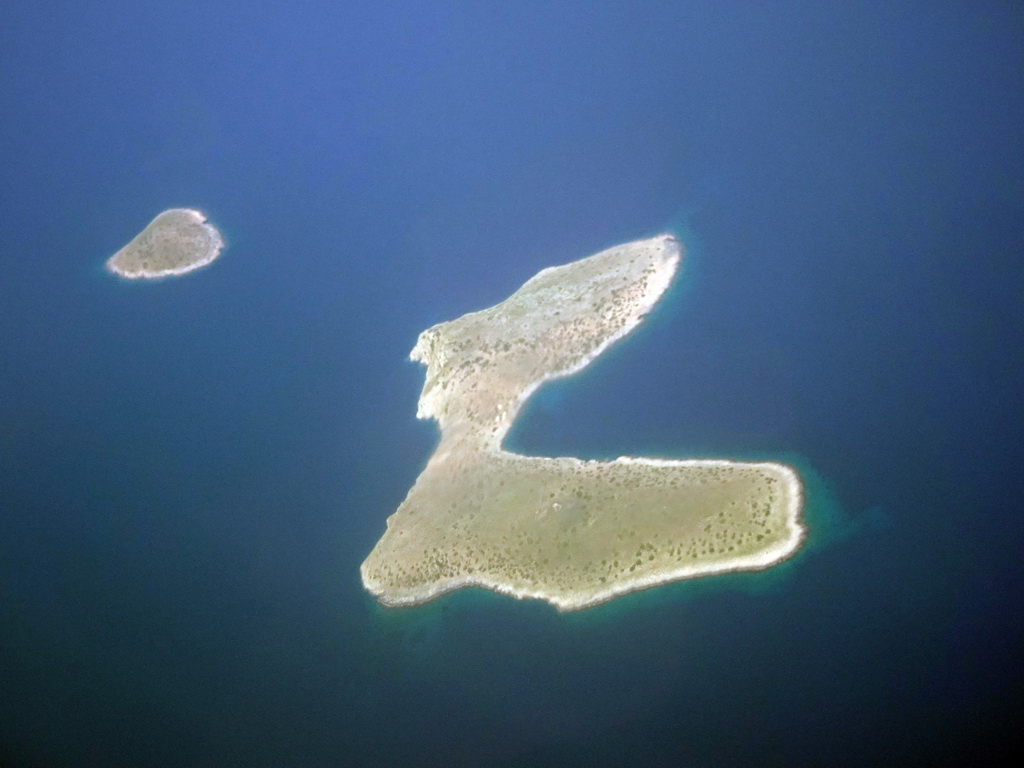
(192, 471)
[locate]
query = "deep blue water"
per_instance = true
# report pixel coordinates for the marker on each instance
(191, 471)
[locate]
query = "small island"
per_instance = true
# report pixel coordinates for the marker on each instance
(574, 533)
(178, 241)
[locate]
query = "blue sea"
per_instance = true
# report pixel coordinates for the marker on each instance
(192, 470)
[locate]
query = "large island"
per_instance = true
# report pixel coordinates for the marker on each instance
(574, 533)
(178, 241)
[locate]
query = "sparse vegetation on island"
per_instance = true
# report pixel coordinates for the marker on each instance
(178, 241)
(574, 533)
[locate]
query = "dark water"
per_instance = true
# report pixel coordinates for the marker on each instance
(192, 471)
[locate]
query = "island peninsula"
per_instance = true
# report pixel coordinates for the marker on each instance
(574, 533)
(176, 242)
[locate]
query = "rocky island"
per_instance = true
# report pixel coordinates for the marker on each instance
(574, 533)
(176, 242)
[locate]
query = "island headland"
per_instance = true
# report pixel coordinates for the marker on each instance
(178, 241)
(574, 533)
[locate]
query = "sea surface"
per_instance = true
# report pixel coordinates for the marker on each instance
(192, 470)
